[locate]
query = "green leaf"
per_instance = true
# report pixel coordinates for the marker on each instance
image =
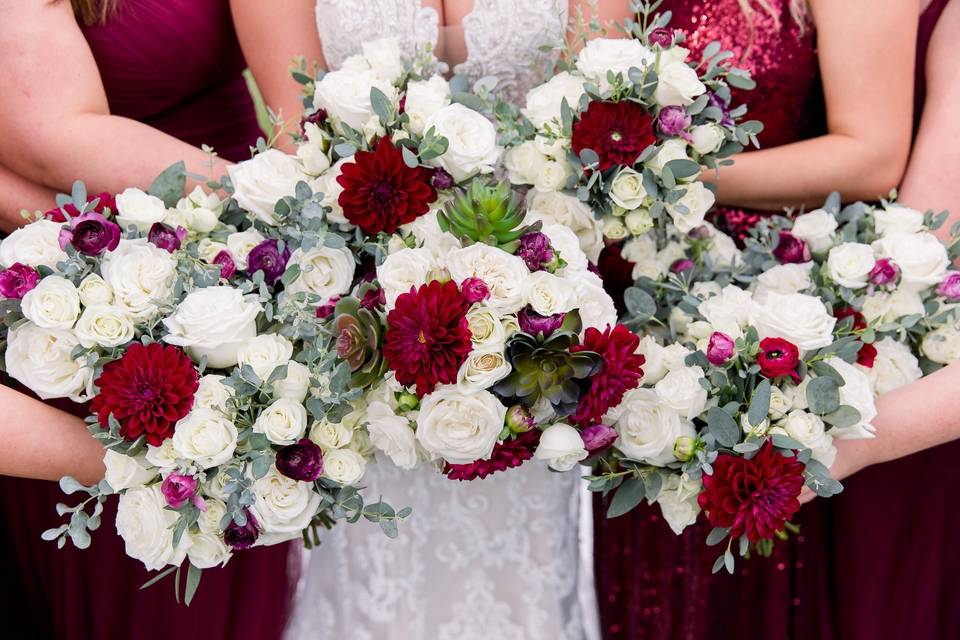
(717, 535)
(760, 404)
(410, 158)
(823, 395)
(170, 184)
(290, 275)
(157, 578)
(639, 303)
(193, 581)
(723, 427)
(381, 105)
(681, 168)
(629, 495)
(69, 484)
(844, 416)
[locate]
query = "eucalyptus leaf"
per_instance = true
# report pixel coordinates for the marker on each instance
(760, 403)
(630, 494)
(722, 427)
(169, 185)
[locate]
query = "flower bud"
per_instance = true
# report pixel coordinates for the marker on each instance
(597, 437)
(885, 271)
(474, 290)
(407, 401)
(950, 287)
(178, 488)
(519, 419)
(684, 448)
(720, 348)
(673, 120)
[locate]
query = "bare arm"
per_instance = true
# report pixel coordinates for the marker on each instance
(16, 194)
(45, 443)
(55, 125)
(271, 35)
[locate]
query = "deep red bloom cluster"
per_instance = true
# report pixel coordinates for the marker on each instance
(736, 223)
(506, 455)
(380, 192)
(617, 132)
(621, 371)
(754, 496)
(147, 390)
(427, 336)
(778, 357)
(868, 353)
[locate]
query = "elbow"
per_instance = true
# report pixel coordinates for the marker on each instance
(881, 170)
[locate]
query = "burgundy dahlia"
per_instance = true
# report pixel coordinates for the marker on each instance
(621, 371)
(791, 249)
(17, 279)
(778, 357)
(380, 192)
(227, 265)
(166, 237)
(91, 234)
(243, 537)
(617, 132)
(178, 489)
(301, 461)
(755, 496)
(268, 258)
(510, 453)
(427, 336)
(533, 323)
(617, 275)
(147, 390)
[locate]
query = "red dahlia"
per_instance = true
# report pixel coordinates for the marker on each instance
(754, 496)
(380, 192)
(778, 357)
(621, 371)
(147, 390)
(427, 336)
(618, 132)
(506, 455)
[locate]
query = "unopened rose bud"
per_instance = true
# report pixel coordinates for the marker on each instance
(720, 348)
(684, 448)
(407, 401)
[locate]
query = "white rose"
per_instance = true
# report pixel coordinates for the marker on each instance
(627, 190)
(331, 189)
(146, 526)
(486, 329)
(141, 275)
(672, 149)
(922, 258)
(213, 394)
(675, 356)
(681, 390)
(618, 55)
(263, 180)
(460, 427)
(897, 220)
(206, 437)
(654, 368)
(723, 250)
(209, 249)
(799, 318)
(561, 447)
(403, 270)
(207, 550)
(482, 369)
(264, 353)
(345, 466)
(553, 176)
(295, 385)
(324, 271)
(35, 244)
(678, 501)
(163, 457)
(198, 212)
(648, 428)
(283, 422)
(53, 304)
(855, 392)
(707, 138)
(704, 290)
(41, 360)
(472, 141)
(283, 507)
(345, 95)
(423, 99)
(134, 207)
(503, 273)
(690, 210)
(94, 290)
(729, 311)
(426, 230)
(214, 322)
(552, 147)
(548, 294)
(895, 366)
(104, 325)
(384, 57)
(331, 435)
(392, 435)
(614, 228)
(677, 84)
(780, 403)
(784, 279)
(941, 346)
(543, 102)
(594, 305)
(816, 229)
(311, 152)
(808, 429)
(524, 163)
(849, 264)
(241, 243)
(639, 221)
(126, 472)
(889, 307)
(570, 212)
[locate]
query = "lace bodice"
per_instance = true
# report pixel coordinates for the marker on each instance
(503, 37)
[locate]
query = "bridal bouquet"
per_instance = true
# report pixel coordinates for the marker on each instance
(627, 125)
(172, 317)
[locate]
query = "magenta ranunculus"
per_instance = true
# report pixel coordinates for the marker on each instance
(17, 279)
(166, 237)
(268, 258)
(474, 290)
(227, 266)
(372, 298)
(885, 271)
(301, 461)
(684, 264)
(720, 348)
(325, 310)
(533, 323)
(240, 537)
(91, 234)
(791, 249)
(597, 437)
(535, 250)
(661, 36)
(950, 287)
(673, 121)
(441, 179)
(178, 489)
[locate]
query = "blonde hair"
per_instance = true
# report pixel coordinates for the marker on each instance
(94, 11)
(798, 11)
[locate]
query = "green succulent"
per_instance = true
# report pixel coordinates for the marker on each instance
(545, 368)
(359, 341)
(489, 214)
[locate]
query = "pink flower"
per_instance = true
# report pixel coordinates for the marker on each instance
(227, 266)
(91, 234)
(597, 437)
(950, 287)
(17, 279)
(791, 249)
(166, 237)
(720, 348)
(178, 489)
(475, 290)
(885, 271)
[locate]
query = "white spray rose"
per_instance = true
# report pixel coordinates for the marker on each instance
(895, 366)
(332, 435)
(857, 393)
(264, 353)
(472, 141)
(922, 258)
(896, 220)
(850, 263)
(94, 290)
(403, 270)
(214, 322)
(345, 466)
(486, 329)
(681, 390)
(41, 360)
(941, 346)
(729, 311)
(140, 275)
(283, 422)
(126, 472)
(104, 325)
(311, 152)
(561, 447)
(384, 57)
(295, 385)
(503, 273)
(799, 318)
(677, 84)
(672, 149)
(548, 294)
(594, 305)
(459, 427)
(690, 210)
(53, 304)
(524, 163)
(260, 182)
(283, 507)
(707, 138)
(213, 394)
(241, 243)
(647, 427)
(618, 55)
(423, 99)
(134, 207)
(816, 228)
(784, 279)
(808, 429)
(163, 457)
(345, 95)
(392, 435)
(146, 526)
(627, 190)
(543, 102)
(678, 501)
(552, 176)
(206, 437)
(324, 271)
(35, 244)
(654, 368)
(198, 212)
(331, 189)
(482, 369)
(570, 212)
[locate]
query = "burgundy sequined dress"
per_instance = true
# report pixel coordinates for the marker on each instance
(650, 582)
(175, 65)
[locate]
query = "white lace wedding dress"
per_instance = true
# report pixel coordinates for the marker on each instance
(489, 559)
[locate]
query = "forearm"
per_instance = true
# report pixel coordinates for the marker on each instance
(18, 193)
(45, 443)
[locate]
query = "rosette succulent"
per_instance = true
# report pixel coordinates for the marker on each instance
(489, 214)
(359, 341)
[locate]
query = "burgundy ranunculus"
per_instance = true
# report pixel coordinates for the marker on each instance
(842, 313)
(533, 323)
(661, 36)
(736, 223)
(441, 179)
(318, 117)
(617, 132)
(681, 265)
(950, 287)
(673, 121)
(243, 537)
(720, 348)
(326, 309)
(510, 453)
(474, 290)
(754, 497)
(301, 461)
(372, 298)
(778, 357)
(268, 258)
(535, 250)
(885, 271)
(791, 249)
(91, 234)
(227, 265)
(166, 237)
(178, 489)
(597, 437)
(17, 279)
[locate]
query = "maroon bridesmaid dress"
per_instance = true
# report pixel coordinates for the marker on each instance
(175, 65)
(650, 582)
(895, 526)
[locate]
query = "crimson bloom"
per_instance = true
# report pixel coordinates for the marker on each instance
(380, 192)
(507, 454)
(621, 371)
(755, 496)
(791, 249)
(427, 336)
(778, 357)
(17, 280)
(91, 234)
(617, 132)
(147, 390)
